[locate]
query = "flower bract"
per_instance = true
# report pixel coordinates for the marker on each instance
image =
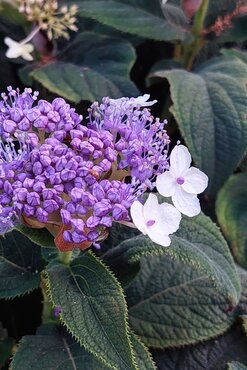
(182, 182)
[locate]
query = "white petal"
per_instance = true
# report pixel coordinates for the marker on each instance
(142, 101)
(195, 182)
(166, 184)
(161, 239)
(136, 212)
(186, 203)
(150, 208)
(180, 159)
(168, 219)
(13, 52)
(28, 48)
(9, 42)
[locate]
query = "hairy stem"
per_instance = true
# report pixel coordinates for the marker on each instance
(193, 49)
(65, 257)
(47, 306)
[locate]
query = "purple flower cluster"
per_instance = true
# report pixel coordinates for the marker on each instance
(141, 140)
(58, 172)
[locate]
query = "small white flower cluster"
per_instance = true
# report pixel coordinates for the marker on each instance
(182, 183)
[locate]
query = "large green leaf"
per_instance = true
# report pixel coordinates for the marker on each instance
(210, 107)
(93, 309)
(211, 355)
(172, 304)
(53, 348)
(140, 18)
(19, 265)
(92, 67)
(41, 237)
(198, 242)
(231, 209)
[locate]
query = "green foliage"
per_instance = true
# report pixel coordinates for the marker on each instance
(172, 304)
(52, 347)
(19, 265)
(197, 243)
(41, 237)
(91, 67)
(211, 355)
(93, 307)
(212, 116)
(231, 209)
(135, 17)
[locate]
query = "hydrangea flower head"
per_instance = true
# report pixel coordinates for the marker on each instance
(182, 182)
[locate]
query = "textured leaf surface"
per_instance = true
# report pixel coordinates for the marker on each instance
(19, 265)
(212, 117)
(236, 366)
(211, 355)
(41, 237)
(231, 209)
(135, 17)
(53, 348)
(93, 66)
(199, 243)
(93, 309)
(172, 304)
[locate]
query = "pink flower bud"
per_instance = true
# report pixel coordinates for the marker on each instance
(190, 7)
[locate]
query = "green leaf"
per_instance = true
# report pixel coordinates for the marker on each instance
(211, 355)
(198, 243)
(231, 209)
(173, 304)
(210, 107)
(19, 265)
(6, 346)
(93, 309)
(41, 237)
(132, 17)
(53, 348)
(93, 66)
(236, 366)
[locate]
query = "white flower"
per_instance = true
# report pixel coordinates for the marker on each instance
(182, 182)
(155, 220)
(18, 49)
(140, 101)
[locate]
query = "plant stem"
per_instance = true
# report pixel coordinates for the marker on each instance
(47, 306)
(65, 257)
(192, 50)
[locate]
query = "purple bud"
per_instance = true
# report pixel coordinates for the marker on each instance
(9, 126)
(45, 160)
(61, 163)
(80, 210)
(98, 191)
(113, 195)
(78, 238)
(77, 134)
(60, 135)
(33, 114)
(28, 183)
(50, 206)
(68, 175)
(97, 143)
(56, 311)
(8, 188)
(41, 122)
(33, 140)
(121, 145)
(44, 106)
(70, 207)
(77, 194)
(41, 215)
(55, 179)
(29, 210)
(24, 125)
(102, 208)
(33, 199)
(110, 154)
(58, 103)
(38, 186)
(93, 222)
(119, 212)
(86, 148)
(72, 164)
(49, 171)
(59, 188)
(37, 168)
(88, 200)
(16, 114)
(105, 165)
(66, 217)
(67, 236)
(106, 221)
(106, 185)
(90, 179)
(79, 183)
(48, 193)
(93, 235)
(78, 225)
(21, 194)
